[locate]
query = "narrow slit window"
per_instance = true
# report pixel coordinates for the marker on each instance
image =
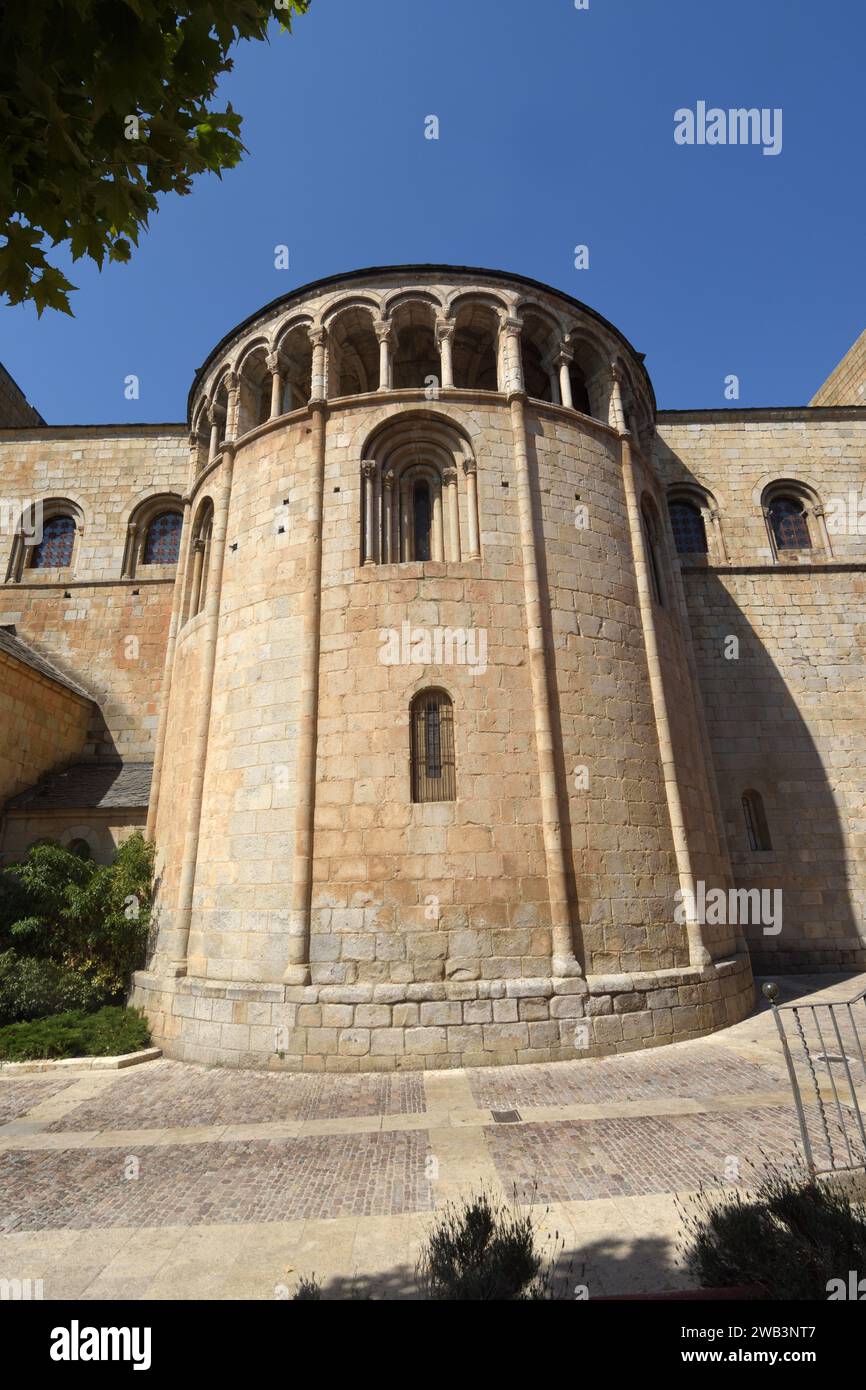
(757, 830)
(432, 750)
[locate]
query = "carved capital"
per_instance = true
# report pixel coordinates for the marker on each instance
(383, 328)
(511, 327)
(445, 329)
(469, 466)
(368, 469)
(449, 476)
(276, 363)
(317, 336)
(390, 479)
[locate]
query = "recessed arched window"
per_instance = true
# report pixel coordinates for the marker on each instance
(198, 568)
(651, 541)
(757, 830)
(422, 519)
(162, 542)
(787, 515)
(54, 550)
(687, 523)
(81, 848)
(432, 748)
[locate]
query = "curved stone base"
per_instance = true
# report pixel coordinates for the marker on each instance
(452, 1024)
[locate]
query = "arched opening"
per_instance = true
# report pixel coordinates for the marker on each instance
(475, 354)
(540, 342)
(296, 368)
(649, 526)
(431, 721)
(353, 353)
(56, 545)
(162, 539)
(81, 848)
(786, 514)
(687, 524)
(202, 535)
(254, 390)
(415, 360)
(757, 830)
(422, 520)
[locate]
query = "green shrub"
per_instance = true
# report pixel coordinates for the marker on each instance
(91, 918)
(109, 1032)
(482, 1250)
(789, 1237)
(31, 988)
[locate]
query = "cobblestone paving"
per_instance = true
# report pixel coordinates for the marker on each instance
(197, 1184)
(696, 1072)
(17, 1097)
(172, 1094)
(568, 1160)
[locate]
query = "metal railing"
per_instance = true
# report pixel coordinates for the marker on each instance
(832, 1036)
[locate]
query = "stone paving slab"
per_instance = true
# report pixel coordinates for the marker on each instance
(18, 1096)
(689, 1070)
(338, 1175)
(569, 1160)
(178, 1094)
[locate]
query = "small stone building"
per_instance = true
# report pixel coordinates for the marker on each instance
(493, 715)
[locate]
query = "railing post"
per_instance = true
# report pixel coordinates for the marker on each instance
(771, 994)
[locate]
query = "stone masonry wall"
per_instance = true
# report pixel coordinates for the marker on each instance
(786, 717)
(43, 726)
(107, 633)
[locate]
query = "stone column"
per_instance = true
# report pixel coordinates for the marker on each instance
(719, 534)
(277, 367)
(449, 478)
(195, 584)
(512, 363)
(823, 529)
(368, 472)
(388, 519)
(437, 539)
(563, 362)
(215, 415)
(564, 962)
(698, 953)
(129, 551)
(168, 668)
(407, 527)
(178, 937)
(297, 970)
(318, 338)
(384, 335)
(616, 418)
(445, 338)
(553, 380)
(471, 470)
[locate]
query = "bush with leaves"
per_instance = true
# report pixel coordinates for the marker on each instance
(89, 918)
(32, 988)
(105, 105)
(788, 1237)
(482, 1250)
(110, 1032)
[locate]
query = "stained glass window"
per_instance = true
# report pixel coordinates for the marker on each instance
(54, 550)
(163, 539)
(690, 535)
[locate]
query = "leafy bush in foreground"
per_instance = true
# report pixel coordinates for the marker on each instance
(482, 1250)
(31, 988)
(86, 917)
(790, 1236)
(108, 1033)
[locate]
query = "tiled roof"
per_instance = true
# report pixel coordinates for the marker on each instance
(87, 786)
(14, 647)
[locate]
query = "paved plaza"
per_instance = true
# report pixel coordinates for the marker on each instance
(176, 1181)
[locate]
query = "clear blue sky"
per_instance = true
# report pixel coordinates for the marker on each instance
(556, 129)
